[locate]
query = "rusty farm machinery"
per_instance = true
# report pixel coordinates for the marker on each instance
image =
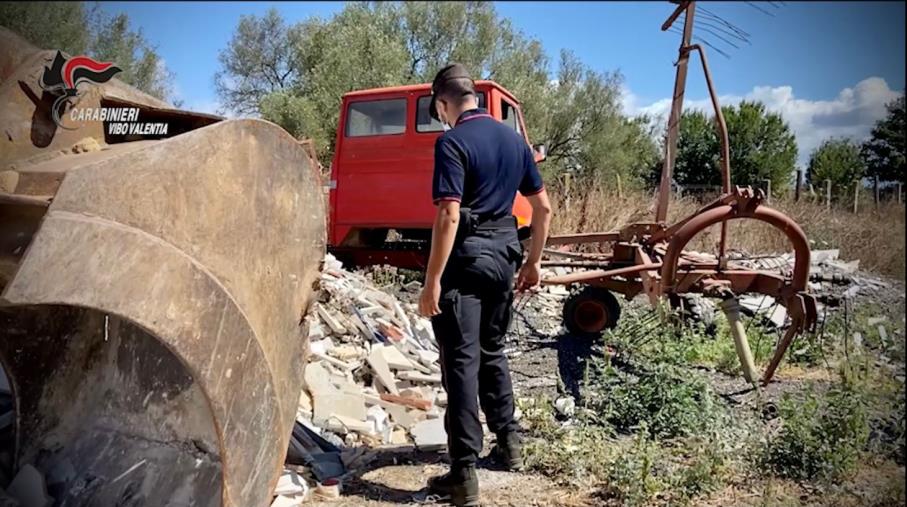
(649, 258)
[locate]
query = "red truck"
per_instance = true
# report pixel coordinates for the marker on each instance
(381, 210)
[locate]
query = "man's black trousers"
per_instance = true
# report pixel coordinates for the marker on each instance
(476, 301)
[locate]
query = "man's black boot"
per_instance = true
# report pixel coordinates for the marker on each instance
(460, 486)
(509, 451)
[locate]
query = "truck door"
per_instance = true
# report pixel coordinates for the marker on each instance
(510, 116)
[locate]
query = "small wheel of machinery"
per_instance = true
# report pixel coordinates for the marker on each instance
(590, 311)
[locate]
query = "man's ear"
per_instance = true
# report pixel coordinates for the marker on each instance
(441, 106)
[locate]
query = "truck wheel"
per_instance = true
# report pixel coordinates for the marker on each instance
(590, 311)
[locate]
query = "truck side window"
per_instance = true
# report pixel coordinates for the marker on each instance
(424, 121)
(376, 118)
(509, 116)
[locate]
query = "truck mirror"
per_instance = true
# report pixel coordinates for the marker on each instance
(541, 152)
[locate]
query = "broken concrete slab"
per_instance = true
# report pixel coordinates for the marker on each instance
(328, 405)
(288, 501)
(883, 334)
(405, 417)
(344, 424)
(429, 434)
(343, 365)
(393, 357)
(290, 484)
(318, 379)
(321, 346)
(29, 489)
(823, 256)
(875, 321)
(398, 437)
(347, 352)
(382, 371)
(330, 320)
(428, 357)
(419, 377)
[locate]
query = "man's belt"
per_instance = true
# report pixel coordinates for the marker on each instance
(470, 224)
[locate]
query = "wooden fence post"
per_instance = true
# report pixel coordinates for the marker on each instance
(828, 194)
(567, 179)
(799, 184)
(620, 191)
(899, 193)
(768, 190)
(875, 189)
(856, 196)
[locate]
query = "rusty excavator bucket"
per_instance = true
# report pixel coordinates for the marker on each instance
(152, 289)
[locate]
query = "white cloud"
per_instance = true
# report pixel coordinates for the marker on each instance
(851, 114)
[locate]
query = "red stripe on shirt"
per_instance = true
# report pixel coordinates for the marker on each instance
(539, 191)
(454, 199)
(473, 117)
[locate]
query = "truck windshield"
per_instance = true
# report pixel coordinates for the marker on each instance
(424, 121)
(376, 118)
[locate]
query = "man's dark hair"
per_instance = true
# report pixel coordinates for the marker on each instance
(452, 84)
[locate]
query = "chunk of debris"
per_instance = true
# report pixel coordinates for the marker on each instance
(420, 377)
(409, 401)
(290, 484)
(565, 406)
(430, 435)
(29, 489)
(382, 370)
(288, 501)
(330, 320)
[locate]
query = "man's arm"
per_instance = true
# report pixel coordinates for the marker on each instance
(443, 233)
(530, 272)
(447, 190)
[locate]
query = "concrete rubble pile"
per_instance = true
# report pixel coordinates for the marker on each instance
(832, 281)
(372, 380)
(373, 373)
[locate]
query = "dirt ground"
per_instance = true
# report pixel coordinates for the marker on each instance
(387, 483)
(545, 362)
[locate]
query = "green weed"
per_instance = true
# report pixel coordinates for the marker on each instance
(821, 436)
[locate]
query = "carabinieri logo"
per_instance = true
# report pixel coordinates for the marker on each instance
(64, 76)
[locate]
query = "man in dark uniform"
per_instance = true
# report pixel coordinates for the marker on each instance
(480, 164)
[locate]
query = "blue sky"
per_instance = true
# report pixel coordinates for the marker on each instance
(828, 67)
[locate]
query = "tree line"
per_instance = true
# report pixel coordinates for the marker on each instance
(295, 73)
(78, 28)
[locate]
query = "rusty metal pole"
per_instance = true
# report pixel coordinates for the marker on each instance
(725, 160)
(799, 184)
(664, 188)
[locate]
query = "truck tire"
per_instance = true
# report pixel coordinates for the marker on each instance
(590, 311)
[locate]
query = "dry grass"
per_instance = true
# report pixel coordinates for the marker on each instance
(874, 236)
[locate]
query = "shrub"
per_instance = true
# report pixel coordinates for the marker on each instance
(667, 400)
(821, 436)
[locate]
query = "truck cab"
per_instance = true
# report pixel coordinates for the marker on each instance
(381, 209)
